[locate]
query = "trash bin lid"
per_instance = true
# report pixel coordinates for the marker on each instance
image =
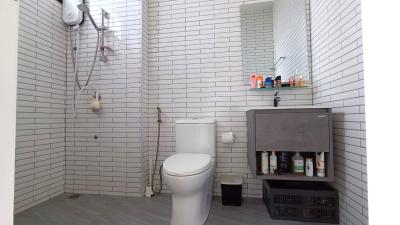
(231, 179)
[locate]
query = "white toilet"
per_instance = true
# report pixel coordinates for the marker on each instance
(189, 173)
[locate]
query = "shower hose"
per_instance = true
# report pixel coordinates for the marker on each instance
(75, 64)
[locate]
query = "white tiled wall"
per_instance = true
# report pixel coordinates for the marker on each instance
(195, 70)
(257, 37)
(40, 156)
(339, 82)
(145, 92)
(112, 164)
(290, 37)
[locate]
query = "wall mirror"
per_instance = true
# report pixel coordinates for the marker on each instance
(275, 39)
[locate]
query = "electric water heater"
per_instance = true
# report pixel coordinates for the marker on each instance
(71, 14)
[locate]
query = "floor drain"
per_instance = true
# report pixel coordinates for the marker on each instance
(74, 196)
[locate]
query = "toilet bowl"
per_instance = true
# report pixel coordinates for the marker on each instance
(189, 173)
(191, 190)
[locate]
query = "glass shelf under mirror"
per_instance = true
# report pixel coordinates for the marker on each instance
(275, 89)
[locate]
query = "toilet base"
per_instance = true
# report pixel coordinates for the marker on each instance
(191, 197)
(192, 210)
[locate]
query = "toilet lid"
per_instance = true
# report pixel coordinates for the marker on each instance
(186, 164)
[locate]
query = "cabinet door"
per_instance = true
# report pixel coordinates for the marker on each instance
(290, 131)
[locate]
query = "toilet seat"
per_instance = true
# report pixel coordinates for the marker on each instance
(186, 164)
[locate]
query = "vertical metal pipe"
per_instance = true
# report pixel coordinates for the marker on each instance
(103, 12)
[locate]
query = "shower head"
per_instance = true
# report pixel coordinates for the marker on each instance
(84, 8)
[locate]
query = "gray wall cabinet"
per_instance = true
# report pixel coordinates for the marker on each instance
(304, 130)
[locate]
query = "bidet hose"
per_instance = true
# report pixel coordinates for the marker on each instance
(157, 153)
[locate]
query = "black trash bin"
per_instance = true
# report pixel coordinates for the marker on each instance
(231, 189)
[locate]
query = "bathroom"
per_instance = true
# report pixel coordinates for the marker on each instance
(106, 98)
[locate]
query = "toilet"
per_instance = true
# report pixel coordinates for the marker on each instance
(189, 173)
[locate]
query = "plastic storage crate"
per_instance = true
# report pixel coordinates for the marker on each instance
(301, 201)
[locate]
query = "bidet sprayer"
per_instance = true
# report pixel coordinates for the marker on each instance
(159, 115)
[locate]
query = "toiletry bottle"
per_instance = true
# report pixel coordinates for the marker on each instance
(320, 164)
(253, 80)
(301, 80)
(298, 164)
(273, 82)
(283, 162)
(278, 81)
(291, 81)
(296, 79)
(268, 81)
(273, 164)
(309, 167)
(260, 81)
(264, 163)
(263, 80)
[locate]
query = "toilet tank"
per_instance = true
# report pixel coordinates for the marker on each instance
(196, 136)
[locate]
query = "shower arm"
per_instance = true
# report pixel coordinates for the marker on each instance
(94, 23)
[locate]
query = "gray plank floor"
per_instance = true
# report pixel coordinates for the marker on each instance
(112, 210)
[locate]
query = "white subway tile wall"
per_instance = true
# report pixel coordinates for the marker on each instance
(40, 156)
(186, 57)
(145, 92)
(113, 163)
(338, 81)
(195, 70)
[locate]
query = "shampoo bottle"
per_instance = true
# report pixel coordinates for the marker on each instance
(320, 164)
(298, 164)
(309, 167)
(283, 162)
(264, 163)
(273, 163)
